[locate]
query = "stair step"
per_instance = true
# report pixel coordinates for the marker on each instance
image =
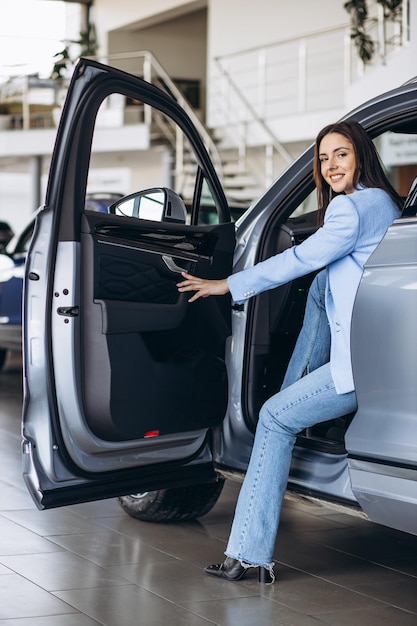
(239, 186)
(237, 182)
(232, 167)
(244, 196)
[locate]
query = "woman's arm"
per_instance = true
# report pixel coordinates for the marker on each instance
(335, 239)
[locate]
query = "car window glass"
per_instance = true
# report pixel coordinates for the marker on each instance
(207, 212)
(309, 205)
(159, 156)
(398, 152)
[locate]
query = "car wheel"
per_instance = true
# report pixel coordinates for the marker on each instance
(168, 505)
(3, 356)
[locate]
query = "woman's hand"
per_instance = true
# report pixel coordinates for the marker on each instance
(202, 286)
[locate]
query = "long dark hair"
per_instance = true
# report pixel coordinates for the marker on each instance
(369, 171)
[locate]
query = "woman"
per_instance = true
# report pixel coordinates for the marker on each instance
(357, 204)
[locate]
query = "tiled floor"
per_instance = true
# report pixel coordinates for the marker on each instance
(92, 564)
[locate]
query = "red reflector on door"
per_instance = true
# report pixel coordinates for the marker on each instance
(152, 433)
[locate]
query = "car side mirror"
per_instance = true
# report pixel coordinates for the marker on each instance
(158, 204)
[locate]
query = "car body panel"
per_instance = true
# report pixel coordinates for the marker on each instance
(382, 438)
(103, 364)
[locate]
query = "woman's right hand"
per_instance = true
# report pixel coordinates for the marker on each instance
(202, 286)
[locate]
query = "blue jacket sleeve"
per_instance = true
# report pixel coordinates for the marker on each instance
(334, 240)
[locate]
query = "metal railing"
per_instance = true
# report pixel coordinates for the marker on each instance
(153, 72)
(249, 91)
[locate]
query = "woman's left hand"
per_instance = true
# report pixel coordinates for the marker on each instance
(202, 286)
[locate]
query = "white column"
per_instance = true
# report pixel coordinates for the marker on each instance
(35, 178)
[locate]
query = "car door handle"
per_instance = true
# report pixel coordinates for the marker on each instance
(171, 265)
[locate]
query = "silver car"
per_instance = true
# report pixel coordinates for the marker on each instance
(131, 392)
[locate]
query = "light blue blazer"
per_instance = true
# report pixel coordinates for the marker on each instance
(354, 225)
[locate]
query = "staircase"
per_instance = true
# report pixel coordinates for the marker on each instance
(234, 165)
(251, 93)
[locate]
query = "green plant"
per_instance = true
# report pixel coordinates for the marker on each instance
(88, 42)
(61, 63)
(88, 47)
(358, 10)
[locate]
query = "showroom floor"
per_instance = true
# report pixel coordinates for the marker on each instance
(92, 564)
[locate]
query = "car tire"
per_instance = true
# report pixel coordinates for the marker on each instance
(3, 357)
(172, 505)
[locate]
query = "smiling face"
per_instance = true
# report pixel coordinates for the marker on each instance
(337, 162)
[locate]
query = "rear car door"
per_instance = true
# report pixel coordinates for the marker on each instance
(123, 377)
(382, 439)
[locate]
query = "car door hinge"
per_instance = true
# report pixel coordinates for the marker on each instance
(68, 311)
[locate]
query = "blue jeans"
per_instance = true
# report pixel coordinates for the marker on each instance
(312, 348)
(307, 397)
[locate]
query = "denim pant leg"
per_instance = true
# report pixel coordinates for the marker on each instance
(310, 400)
(312, 348)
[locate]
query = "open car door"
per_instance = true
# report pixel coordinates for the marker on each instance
(123, 378)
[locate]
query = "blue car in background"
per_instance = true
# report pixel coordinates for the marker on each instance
(100, 201)
(12, 267)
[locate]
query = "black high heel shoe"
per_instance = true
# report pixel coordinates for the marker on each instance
(232, 569)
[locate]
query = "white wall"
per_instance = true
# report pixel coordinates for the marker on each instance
(109, 15)
(179, 44)
(236, 25)
(133, 171)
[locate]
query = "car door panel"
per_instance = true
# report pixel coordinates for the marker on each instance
(123, 377)
(134, 385)
(161, 358)
(382, 438)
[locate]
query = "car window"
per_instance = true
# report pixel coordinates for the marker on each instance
(100, 201)
(160, 157)
(410, 205)
(207, 213)
(309, 205)
(398, 151)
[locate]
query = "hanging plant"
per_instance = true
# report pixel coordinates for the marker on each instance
(391, 7)
(358, 11)
(88, 46)
(88, 42)
(62, 59)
